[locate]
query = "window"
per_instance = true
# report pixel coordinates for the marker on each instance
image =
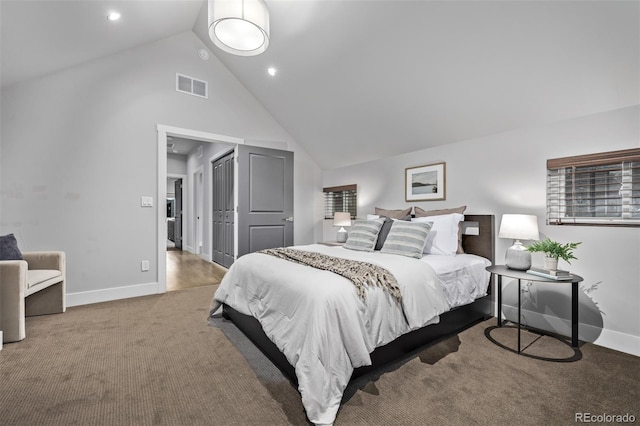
(340, 199)
(594, 189)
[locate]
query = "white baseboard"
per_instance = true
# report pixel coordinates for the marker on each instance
(586, 332)
(116, 293)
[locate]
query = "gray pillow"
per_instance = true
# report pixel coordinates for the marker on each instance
(364, 234)
(9, 248)
(394, 214)
(384, 231)
(407, 238)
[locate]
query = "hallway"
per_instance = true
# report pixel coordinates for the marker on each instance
(186, 270)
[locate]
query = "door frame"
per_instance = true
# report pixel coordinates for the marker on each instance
(198, 209)
(162, 132)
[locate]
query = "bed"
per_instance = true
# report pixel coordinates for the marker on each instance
(320, 338)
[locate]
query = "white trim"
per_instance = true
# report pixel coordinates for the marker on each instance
(197, 201)
(108, 294)
(607, 338)
(164, 131)
(197, 135)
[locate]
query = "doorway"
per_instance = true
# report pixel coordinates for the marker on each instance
(164, 131)
(262, 190)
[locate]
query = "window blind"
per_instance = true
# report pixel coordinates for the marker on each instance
(340, 199)
(594, 189)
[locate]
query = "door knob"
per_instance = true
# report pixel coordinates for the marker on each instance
(288, 219)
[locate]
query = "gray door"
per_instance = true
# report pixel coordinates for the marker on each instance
(178, 214)
(265, 198)
(223, 210)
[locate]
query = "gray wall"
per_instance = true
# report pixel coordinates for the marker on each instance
(506, 173)
(79, 149)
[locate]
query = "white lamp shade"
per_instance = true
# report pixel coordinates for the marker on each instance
(342, 219)
(239, 27)
(519, 227)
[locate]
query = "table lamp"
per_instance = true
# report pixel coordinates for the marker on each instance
(342, 219)
(518, 227)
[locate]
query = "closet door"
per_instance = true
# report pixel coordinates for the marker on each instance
(265, 198)
(229, 207)
(223, 211)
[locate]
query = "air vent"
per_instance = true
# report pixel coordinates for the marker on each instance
(191, 86)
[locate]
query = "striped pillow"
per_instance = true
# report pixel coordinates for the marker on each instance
(407, 238)
(364, 234)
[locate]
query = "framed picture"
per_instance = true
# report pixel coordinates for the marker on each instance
(425, 183)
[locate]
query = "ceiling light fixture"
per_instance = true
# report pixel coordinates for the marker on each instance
(239, 27)
(113, 16)
(272, 71)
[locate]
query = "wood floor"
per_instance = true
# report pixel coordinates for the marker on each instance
(186, 270)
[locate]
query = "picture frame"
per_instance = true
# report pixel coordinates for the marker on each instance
(425, 183)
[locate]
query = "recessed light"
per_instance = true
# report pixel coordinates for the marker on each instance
(113, 16)
(272, 71)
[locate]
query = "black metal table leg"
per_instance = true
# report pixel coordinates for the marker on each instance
(574, 314)
(519, 307)
(499, 300)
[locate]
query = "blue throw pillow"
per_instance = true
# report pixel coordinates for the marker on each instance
(9, 248)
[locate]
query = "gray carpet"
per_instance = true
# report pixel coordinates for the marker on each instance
(154, 361)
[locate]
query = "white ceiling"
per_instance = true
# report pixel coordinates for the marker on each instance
(40, 37)
(181, 146)
(362, 80)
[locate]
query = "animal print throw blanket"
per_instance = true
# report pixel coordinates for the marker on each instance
(361, 274)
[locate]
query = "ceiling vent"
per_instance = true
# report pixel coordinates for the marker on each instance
(192, 86)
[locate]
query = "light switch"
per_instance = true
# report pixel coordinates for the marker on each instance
(146, 201)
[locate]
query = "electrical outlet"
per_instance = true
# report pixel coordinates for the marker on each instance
(144, 265)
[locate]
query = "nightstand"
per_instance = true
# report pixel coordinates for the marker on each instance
(330, 243)
(574, 280)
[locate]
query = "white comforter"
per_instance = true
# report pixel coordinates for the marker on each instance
(320, 324)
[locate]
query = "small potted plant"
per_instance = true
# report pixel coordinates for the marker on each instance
(553, 251)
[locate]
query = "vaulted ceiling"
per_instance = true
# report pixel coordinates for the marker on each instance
(362, 80)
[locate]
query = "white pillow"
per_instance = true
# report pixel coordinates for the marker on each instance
(443, 237)
(377, 216)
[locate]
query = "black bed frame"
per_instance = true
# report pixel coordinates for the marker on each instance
(451, 322)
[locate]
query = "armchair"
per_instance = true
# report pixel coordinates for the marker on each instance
(30, 287)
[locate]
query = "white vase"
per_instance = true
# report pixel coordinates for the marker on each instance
(550, 263)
